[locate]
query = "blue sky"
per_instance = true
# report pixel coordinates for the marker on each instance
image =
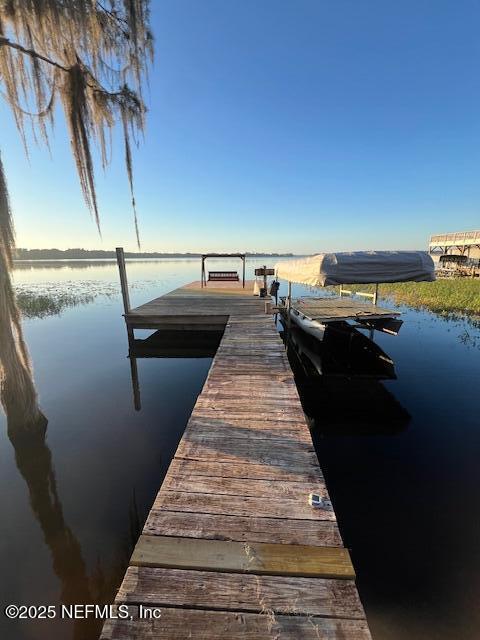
(300, 126)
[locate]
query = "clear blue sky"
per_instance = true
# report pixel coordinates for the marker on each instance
(300, 126)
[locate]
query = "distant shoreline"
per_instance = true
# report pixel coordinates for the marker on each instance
(31, 255)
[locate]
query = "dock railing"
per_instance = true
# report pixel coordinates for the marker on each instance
(365, 294)
(463, 237)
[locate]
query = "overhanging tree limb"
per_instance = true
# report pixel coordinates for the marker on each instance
(29, 52)
(90, 46)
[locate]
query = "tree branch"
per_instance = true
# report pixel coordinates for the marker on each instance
(115, 17)
(30, 52)
(96, 86)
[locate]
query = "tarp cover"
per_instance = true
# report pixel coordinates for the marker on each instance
(358, 267)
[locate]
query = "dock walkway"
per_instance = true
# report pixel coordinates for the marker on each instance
(231, 548)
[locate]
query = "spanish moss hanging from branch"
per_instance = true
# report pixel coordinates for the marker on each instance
(91, 59)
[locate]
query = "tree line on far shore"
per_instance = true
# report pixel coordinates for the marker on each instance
(98, 254)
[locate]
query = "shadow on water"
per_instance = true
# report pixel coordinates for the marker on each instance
(403, 479)
(204, 344)
(169, 344)
(340, 382)
(73, 502)
(33, 459)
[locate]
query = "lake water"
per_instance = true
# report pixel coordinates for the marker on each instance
(406, 491)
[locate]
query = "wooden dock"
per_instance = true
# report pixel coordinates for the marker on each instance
(231, 548)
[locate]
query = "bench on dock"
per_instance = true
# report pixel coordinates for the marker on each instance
(223, 276)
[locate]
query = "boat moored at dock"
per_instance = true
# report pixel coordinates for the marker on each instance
(312, 314)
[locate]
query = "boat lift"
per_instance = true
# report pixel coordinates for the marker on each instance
(312, 314)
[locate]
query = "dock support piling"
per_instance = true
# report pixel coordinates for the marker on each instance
(124, 285)
(289, 304)
(123, 278)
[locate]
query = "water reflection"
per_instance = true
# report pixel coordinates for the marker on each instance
(72, 515)
(343, 352)
(339, 381)
(367, 408)
(30, 265)
(169, 344)
(34, 462)
(137, 403)
(417, 485)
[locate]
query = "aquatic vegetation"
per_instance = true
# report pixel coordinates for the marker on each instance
(34, 305)
(446, 297)
(51, 299)
(470, 339)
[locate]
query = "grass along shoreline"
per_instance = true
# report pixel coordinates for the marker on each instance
(446, 296)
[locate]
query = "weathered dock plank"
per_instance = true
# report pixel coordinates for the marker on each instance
(240, 557)
(243, 528)
(231, 547)
(256, 429)
(251, 471)
(328, 309)
(241, 592)
(202, 624)
(267, 454)
(295, 491)
(243, 505)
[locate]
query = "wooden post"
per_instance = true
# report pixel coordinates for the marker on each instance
(289, 304)
(265, 278)
(375, 295)
(243, 260)
(123, 279)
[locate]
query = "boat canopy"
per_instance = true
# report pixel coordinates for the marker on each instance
(358, 267)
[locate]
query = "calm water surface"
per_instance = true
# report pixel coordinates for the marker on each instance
(406, 492)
